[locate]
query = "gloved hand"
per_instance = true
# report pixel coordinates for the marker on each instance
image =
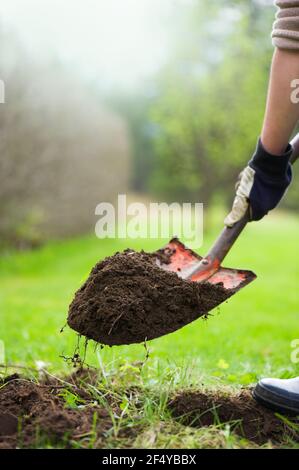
(261, 184)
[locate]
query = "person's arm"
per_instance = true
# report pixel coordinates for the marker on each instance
(281, 114)
(268, 174)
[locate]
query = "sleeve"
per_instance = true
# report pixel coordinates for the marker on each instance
(285, 34)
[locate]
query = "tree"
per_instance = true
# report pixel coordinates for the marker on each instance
(211, 101)
(60, 150)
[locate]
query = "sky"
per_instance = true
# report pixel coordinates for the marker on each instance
(116, 42)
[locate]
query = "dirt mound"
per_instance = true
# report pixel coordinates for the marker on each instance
(246, 417)
(31, 410)
(128, 298)
(67, 413)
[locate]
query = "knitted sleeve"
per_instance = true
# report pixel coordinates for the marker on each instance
(285, 34)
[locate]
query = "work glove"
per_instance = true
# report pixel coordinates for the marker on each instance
(261, 184)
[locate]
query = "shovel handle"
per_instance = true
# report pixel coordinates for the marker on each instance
(223, 244)
(210, 264)
(230, 234)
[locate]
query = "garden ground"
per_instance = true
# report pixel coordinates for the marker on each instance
(245, 339)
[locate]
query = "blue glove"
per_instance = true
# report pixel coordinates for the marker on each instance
(262, 184)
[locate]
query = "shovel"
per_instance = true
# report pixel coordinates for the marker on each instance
(108, 320)
(189, 265)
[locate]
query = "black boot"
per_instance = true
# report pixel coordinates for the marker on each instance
(280, 395)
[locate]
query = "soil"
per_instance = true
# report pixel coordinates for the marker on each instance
(247, 418)
(37, 413)
(29, 410)
(128, 298)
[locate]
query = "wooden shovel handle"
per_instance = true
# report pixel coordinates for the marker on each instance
(229, 235)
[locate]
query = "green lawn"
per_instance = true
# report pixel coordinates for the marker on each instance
(246, 338)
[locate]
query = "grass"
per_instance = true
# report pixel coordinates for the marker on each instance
(245, 339)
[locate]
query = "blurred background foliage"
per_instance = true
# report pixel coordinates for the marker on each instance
(201, 123)
(182, 134)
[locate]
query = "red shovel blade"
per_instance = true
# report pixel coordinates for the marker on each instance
(181, 259)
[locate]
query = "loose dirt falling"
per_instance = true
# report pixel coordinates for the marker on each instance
(128, 298)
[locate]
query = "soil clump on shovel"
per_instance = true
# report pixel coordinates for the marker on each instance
(128, 298)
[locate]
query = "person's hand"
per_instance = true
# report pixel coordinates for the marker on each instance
(261, 185)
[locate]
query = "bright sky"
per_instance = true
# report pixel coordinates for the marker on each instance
(117, 42)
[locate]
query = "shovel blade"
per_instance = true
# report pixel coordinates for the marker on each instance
(180, 259)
